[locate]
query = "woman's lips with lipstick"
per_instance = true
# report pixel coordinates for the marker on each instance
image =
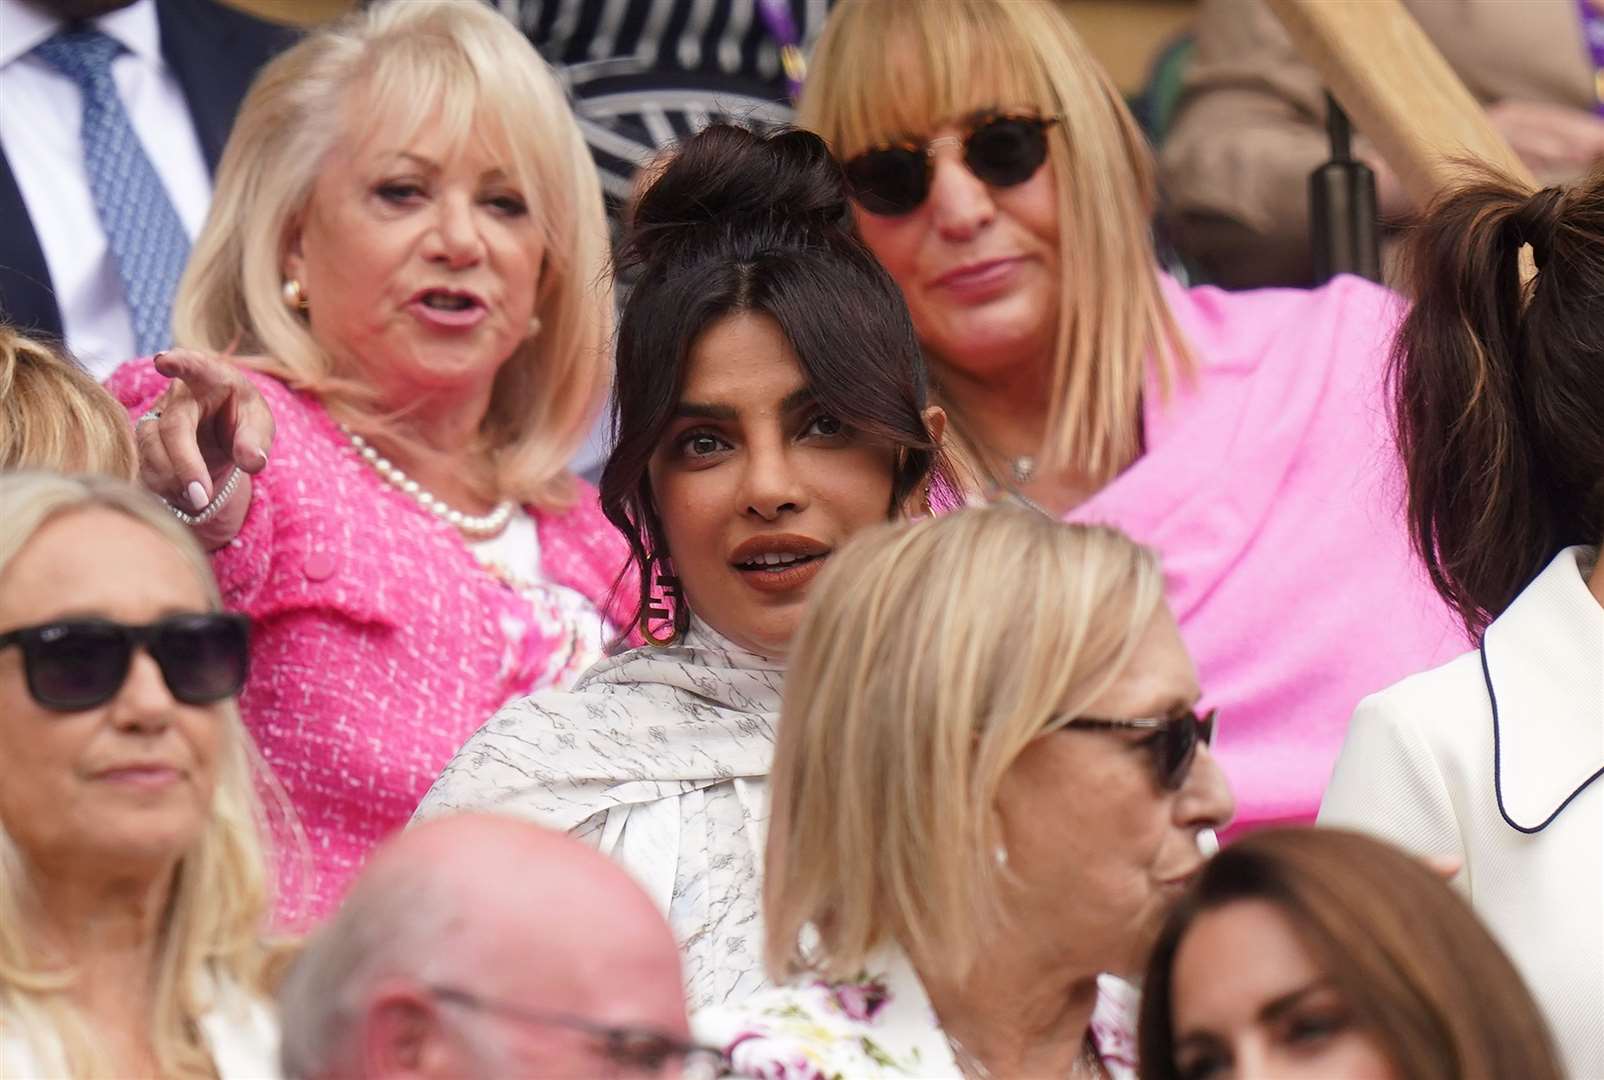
(448, 309)
(980, 280)
(781, 563)
(140, 776)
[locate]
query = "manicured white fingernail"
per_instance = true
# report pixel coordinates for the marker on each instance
(197, 494)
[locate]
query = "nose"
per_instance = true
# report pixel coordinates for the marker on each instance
(1205, 800)
(770, 484)
(455, 240)
(960, 202)
(144, 704)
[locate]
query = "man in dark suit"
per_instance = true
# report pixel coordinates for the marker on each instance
(65, 268)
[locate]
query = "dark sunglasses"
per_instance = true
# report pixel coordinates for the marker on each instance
(1001, 150)
(77, 664)
(1174, 748)
(638, 1049)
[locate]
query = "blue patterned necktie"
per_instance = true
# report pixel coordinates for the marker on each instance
(143, 230)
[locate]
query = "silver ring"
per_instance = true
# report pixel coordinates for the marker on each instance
(150, 414)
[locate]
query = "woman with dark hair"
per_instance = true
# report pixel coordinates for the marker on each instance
(770, 402)
(1495, 758)
(1322, 952)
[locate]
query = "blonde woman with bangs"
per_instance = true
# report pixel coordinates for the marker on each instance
(987, 792)
(402, 292)
(54, 415)
(999, 177)
(133, 889)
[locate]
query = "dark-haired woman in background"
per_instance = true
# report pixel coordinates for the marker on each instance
(1321, 952)
(770, 402)
(1496, 757)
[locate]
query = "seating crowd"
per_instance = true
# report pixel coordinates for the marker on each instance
(663, 538)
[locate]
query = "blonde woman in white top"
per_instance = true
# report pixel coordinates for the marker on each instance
(132, 882)
(1496, 759)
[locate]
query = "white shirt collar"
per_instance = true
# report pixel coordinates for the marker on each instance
(1545, 660)
(23, 26)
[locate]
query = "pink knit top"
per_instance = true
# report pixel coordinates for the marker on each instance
(380, 643)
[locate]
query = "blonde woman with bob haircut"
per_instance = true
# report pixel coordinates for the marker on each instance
(407, 238)
(987, 789)
(133, 889)
(999, 177)
(54, 415)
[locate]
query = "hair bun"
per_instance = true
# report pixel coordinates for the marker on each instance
(728, 189)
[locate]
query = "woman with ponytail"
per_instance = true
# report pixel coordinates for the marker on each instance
(770, 402)
(1495, 758)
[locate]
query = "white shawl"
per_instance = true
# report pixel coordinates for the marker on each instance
(660, 758)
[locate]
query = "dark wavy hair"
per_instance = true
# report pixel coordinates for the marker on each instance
(1498, 387)
(740, 221)
(1415, 965)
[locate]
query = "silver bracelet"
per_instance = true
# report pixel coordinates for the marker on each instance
(150, 414)
(210, 510)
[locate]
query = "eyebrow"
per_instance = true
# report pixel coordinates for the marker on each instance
(1269, 1014)
(432, 165)
(1286, 1002)
(796, 400)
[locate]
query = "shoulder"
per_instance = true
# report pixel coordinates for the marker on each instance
(1288, 330)
(1434, 707)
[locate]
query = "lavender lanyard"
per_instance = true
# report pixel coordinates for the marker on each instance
(782, 28)
(1593, 34)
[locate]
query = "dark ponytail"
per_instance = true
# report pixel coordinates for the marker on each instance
(738, 221)
(1499, 387)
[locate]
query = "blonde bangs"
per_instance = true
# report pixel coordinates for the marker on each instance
(900, 70)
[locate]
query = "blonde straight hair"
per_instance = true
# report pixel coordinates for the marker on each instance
(919, 674)
(54, 415)
(888, 69)
(403, 63)
(213, 927)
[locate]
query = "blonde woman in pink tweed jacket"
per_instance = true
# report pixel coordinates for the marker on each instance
(429, 315)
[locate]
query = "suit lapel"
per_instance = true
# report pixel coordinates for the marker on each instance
(215, 52)
(27, 298)
(1545, 665)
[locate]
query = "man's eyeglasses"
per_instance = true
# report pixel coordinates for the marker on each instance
(1002, 150)
(1174, 748)
(77, 664)
(637, 1049)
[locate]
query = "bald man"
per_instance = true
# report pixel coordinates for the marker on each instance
(479, 946)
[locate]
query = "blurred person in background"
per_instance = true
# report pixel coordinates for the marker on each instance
(1315, 953)
(999, 177)
(1251, 123)
(135, 894)
(1495, 759)
(54, 416)
(408, 254)
(989, 783)
(771, 403)
(115, 115)
(434, 966)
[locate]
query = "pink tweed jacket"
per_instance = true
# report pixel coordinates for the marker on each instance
(380, 643)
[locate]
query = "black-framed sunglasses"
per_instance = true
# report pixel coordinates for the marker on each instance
(1174, 749)
(1002, 150)
(641, 1049)
(76, 664)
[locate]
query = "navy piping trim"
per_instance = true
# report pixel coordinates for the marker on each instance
(1498, 777)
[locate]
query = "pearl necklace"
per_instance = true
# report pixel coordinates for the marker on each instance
(479, 527)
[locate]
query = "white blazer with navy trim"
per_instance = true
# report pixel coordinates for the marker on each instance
(1496, 757)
